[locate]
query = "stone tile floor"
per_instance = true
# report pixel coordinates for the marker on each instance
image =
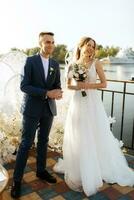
(34, 189)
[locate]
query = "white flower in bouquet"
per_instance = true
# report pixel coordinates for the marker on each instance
(70, 74)
(76, 75)
(80, 71)
(84, 75)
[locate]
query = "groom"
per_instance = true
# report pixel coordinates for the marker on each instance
(41, 85)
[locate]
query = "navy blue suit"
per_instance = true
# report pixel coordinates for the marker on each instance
(38, 111)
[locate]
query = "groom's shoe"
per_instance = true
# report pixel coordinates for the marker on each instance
(46, 176)
(16, 189)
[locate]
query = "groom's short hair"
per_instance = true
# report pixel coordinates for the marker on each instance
(45, 33)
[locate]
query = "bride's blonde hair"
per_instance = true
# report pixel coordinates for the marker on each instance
(82, 42)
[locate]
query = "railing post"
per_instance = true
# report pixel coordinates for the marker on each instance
(132, 145)
(112, 108)
(102, 94)
(123, 108)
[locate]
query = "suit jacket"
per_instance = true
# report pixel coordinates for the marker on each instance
(35, 87)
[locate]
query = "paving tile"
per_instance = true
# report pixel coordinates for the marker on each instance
(32, 166)
(105, 185)
(38, 185)
(31, 159)
(31, 196)
(6, 195)
(47, 194)
(125, 197)
(35, 189)
(9, 165)
(112, 193)
(27, 169)
(10, 173)
(30, 176)
(131, 194)
(123, 190)
(26, 189)
(50, 162)
(72, 195)
(59, 197)
(59, 179)
(61, 187)
(99, 196)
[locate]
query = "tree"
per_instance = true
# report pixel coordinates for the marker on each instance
(32, 51)
(103, 52)
(60, 52)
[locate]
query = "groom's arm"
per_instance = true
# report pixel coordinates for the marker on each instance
(26, 81)
(57, 84)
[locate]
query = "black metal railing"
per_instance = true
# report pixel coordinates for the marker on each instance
(124, 93)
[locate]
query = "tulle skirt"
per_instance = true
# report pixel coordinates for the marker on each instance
(91, 154)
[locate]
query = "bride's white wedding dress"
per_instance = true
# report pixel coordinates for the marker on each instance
(91, 154)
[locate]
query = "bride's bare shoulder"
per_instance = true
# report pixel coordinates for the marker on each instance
(98, 64)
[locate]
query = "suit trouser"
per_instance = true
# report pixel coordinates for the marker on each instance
(30, 125)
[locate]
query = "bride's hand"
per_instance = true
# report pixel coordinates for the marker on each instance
(82, 85)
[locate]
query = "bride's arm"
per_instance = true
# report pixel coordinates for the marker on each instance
(101, 75)
(70, 85)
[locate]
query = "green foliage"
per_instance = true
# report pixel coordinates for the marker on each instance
(32, 51)
(15, 49)
(60, 52)
(106, 51)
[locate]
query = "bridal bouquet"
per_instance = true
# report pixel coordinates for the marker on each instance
(80, 73)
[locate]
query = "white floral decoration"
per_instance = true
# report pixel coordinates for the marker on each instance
(10, 128)
(111, 120)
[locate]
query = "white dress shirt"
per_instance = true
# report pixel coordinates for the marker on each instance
(45, 62)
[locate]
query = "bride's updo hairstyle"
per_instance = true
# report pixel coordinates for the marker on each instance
(83, 41)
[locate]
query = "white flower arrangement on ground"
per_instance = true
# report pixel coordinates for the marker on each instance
(111, 120)
(10, 128)
(56, 136)
(57, 131)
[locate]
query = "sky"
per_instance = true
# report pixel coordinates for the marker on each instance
(109, 22)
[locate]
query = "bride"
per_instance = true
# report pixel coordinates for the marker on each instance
(91, 154)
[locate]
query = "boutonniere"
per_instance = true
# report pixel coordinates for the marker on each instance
(51, 70)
